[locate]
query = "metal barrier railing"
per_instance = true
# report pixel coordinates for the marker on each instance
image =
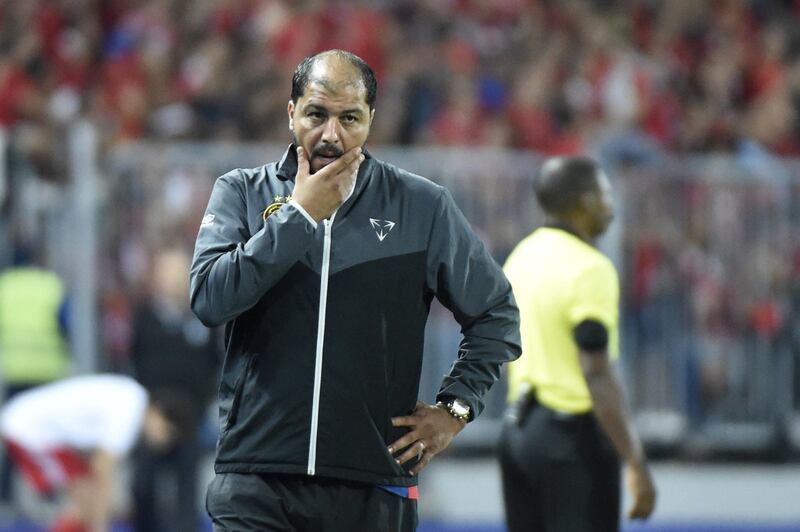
(711, 272)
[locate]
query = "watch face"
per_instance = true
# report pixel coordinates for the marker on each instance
(460, 408)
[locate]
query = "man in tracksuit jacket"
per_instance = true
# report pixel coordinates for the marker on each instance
(322, 267)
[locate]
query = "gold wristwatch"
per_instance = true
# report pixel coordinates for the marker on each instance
(458, 408)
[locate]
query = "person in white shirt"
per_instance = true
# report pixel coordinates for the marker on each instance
(71, 434)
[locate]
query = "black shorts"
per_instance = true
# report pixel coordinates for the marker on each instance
(240, 502)
(560, 473)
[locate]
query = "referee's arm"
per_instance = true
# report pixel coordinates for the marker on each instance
(612, 414)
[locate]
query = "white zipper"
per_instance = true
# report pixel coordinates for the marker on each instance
(323, 300)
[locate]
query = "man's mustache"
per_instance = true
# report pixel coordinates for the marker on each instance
(327, 151)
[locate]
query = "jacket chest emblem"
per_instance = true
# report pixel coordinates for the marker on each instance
(278, 202)
(382, 228)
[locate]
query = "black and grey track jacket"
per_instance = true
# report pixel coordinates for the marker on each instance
(325, 322)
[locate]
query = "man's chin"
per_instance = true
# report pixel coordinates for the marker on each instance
(319, 162)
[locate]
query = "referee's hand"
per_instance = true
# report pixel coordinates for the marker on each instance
(431, 431)
(642, 490)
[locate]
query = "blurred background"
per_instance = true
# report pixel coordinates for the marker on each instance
(116, 116)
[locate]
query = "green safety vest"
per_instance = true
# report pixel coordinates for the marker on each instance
(32, 349)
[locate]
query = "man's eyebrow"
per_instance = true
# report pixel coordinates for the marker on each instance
(318, 107)
(314, 107)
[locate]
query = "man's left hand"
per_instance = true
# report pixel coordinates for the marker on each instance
(432, 429)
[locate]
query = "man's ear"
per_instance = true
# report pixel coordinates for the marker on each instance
(371, 116)
(588, 201)
(290, 112)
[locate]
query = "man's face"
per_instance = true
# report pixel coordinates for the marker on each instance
(332, 116)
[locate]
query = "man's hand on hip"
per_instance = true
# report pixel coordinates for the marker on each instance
(431, 430)
(320, 194)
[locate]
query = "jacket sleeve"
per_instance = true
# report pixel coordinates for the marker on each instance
(232, 270)
(468, 281)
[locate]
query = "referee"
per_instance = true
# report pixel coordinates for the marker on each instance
(568, 427)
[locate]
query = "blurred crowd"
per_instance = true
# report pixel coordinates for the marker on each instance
(710, 263)
(635, 77)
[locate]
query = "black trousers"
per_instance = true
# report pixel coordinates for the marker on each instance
(152, 472)
(239, 502)
(560, 473)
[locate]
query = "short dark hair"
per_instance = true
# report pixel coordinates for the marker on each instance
(303, 70)
(562, 181)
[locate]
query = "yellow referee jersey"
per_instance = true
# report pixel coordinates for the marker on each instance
(558, 281)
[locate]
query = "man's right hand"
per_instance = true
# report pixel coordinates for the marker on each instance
(320, 194)
(642, 490)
